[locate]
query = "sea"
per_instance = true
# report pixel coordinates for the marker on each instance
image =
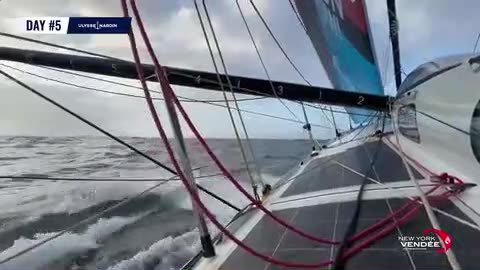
(152, 231)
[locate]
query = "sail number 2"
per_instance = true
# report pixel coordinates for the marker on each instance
(360, 100)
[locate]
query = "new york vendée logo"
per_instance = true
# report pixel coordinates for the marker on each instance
(429, 240)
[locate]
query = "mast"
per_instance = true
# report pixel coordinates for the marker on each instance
(393, 22)
(198, 79)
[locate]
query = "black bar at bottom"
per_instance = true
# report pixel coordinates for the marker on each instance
(198, 79)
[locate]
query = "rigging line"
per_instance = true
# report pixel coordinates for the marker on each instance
(108, 57)
(222, 61)
(337, 133)
(265, 115)
(428, 208)
(247, 90)
(259, 55)
(246, 194)
(183, 169)
(80, 223)
(370, 119)
(194, 196)
(172, 72)
(84, 120)
(328, 159)
(61, 46)
(295, 11)
(235, 129)
(445, 123)
(337, 111)
(67, 179)
(308, 127)
(278, 43)
(414, 163)
(185, 99)
(323, 110)
(297, 15)
(360, 129)
(119, 59)
(467, 206)
(460, 220)
(93, 54)
(399, 231)
(307, 124)
(340, 261)
(476, 43)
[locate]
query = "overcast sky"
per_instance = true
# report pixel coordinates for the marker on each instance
(428, 29)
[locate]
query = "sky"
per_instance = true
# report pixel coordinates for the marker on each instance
(428, 29)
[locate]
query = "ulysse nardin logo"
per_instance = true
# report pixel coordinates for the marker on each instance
(429, 240)
(97, 25)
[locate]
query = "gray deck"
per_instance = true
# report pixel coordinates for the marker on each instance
(274, 240)
(323, 174)
(330, 221)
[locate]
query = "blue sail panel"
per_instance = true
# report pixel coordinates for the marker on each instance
(339, 33)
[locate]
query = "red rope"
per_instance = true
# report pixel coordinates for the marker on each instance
(169, 95)
(193, 195)
(166, 88)
(443, 176)
(369, 241)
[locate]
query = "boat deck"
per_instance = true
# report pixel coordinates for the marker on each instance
(320, 200)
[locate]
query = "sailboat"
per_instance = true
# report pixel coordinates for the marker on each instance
(396, 191)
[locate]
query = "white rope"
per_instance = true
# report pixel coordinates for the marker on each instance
(452, 259)
(235, 129)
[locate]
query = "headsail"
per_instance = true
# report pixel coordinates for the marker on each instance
(339, 32)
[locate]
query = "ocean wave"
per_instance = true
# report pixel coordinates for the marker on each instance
(120, 155)
(67, 244)
(25, 145)
(41, 153)
(167, 254)
(40, 207)
(33, 175)
(12, 158)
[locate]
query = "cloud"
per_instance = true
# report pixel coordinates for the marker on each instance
(178, 41)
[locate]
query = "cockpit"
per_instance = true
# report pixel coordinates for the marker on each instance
(431, 69)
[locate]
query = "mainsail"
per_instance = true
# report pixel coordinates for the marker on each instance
(340, 35)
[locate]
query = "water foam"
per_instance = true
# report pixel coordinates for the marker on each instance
(69, 243)
(166, 254)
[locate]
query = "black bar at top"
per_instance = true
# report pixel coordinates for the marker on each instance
(198, 79)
